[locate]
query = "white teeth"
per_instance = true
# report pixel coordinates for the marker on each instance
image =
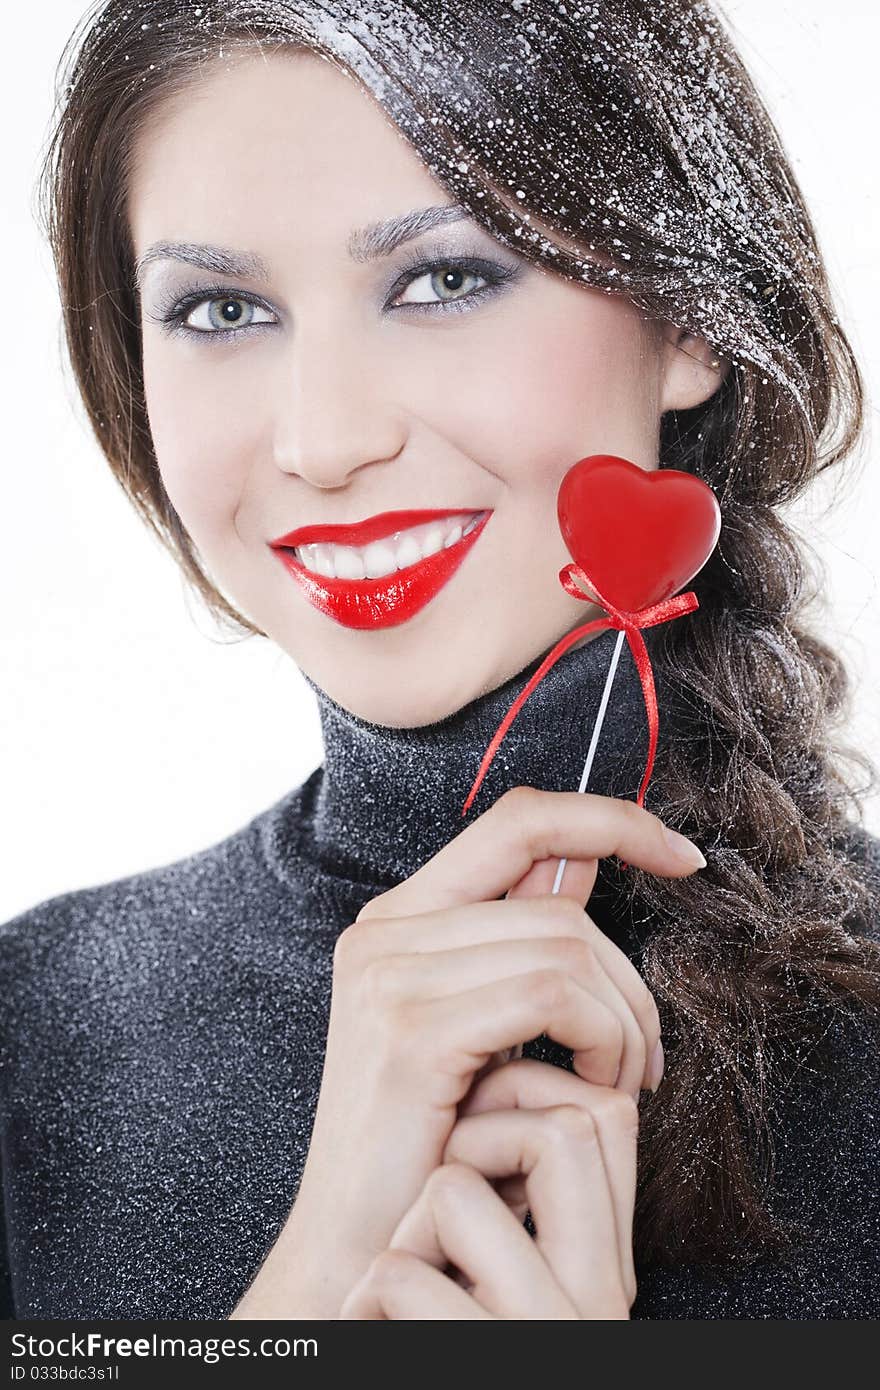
(409, 552)
(323, 559)
(379, 558)
(349, 564)
(392, 553)
(432, 541)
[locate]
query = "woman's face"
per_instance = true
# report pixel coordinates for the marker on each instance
(349, 389)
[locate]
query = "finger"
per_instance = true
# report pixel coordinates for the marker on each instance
(503, 1013)
(526, 1084)
(460, 1218)
(442, 928)
(526, 824)
(388, 945)
(497, 1059)
(534, 1089)
(399, 1286)
(578, 876)
(410, 977)
(566, 1164)
(578, 880)
(641, 1004)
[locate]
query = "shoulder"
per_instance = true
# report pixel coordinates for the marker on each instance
(90, 934)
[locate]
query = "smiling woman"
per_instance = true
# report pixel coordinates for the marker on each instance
(402, 363)
(347, 290)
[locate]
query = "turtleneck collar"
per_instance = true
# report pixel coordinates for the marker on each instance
(389, 798)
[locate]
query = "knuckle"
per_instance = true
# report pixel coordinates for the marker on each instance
(637, 817)
(355, 946)
(448, 1182)
(549, 988)
(371, 909)
(625, 809)
(567, 1123)
(620, 1108)
(389, 1266)
(520, 798)
(615, 1030)
(380, 981)
(642, 814)
(347, 942)
(516, 808)
(401, 1038)
(577, 953)
(569, 910)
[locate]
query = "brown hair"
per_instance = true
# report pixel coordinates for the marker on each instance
(623, 145)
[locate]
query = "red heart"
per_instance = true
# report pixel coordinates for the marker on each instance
(639, 535)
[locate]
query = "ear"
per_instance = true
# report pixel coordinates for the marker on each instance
(692, 369)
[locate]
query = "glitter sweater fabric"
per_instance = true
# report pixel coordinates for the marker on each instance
(163, 1034)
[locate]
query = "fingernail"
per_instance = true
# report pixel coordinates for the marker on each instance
(655, 1075)
(684, 848)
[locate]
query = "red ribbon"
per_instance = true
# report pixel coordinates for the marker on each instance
(630, 623)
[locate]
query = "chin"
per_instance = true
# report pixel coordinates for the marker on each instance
(399, 706)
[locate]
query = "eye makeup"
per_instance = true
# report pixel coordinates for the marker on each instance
(176, 305)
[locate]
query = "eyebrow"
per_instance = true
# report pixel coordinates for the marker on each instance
(369, 243)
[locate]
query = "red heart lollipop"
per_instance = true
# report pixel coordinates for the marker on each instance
(638, 535)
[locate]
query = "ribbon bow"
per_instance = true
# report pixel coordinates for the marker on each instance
(570, 577)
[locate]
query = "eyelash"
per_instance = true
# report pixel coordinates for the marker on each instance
(172, 313)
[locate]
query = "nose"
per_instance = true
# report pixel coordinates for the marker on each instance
(337, 414)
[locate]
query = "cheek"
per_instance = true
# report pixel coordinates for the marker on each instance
(587, 363)
(201, 448)
(525, 396)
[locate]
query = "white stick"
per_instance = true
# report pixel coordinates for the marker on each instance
(597, 729)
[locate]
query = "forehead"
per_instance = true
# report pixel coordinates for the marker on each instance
(271, 138)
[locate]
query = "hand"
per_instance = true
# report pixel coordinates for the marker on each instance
(575, 1158)
(433, 979)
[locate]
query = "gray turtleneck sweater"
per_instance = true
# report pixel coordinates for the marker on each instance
(162, 1036)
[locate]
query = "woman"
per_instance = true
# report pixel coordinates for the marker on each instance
(320, 264)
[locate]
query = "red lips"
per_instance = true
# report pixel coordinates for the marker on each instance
(390, 599)
(375, 528)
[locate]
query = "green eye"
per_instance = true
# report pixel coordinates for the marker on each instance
(445, 280)
(221, 321)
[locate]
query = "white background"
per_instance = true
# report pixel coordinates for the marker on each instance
(130, 734)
